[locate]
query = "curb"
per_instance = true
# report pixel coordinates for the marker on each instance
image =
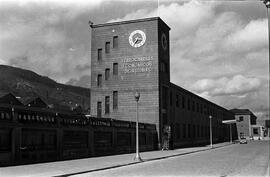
(133, 163)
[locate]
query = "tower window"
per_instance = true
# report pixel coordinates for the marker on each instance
(183, 101)
(99, 108)
(107, 47)
(164, 67)
(115, 99)
(99, 54)
(115, 41)
(99, 80)
(107, 74)
(107, 104)
(177, 101)
(115, 68)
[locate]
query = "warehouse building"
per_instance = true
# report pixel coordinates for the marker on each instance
(134, 56)
(35, 133)
(246, 123)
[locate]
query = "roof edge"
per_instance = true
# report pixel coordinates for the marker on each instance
(126, 22)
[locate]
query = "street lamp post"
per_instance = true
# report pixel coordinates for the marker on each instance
(210, 120)
(137, 157)
(230, 133)
(267, 4)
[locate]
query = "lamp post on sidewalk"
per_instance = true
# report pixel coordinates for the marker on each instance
(230, 133)
(267, 4)
(210, 120)
(137, 157)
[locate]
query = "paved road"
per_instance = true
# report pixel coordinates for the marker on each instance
(250, 159)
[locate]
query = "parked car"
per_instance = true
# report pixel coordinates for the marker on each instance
(243, 140)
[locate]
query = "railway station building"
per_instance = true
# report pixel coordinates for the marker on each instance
(134, 56)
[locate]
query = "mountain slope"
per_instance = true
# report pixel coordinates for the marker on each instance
(28, 85)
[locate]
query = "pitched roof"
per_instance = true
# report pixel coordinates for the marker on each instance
(242, 112)
(37, 102)
(10, 99)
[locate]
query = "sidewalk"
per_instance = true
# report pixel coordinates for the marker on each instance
(79, 166)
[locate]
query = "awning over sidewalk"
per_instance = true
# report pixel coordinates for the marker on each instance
(229, 121)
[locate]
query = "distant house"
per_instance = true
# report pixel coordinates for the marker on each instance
(10, 99)
(37, 102)
(245, 121)
(257, 132)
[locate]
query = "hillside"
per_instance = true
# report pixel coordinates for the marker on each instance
(28, 85)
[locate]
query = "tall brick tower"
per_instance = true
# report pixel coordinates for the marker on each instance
(126, 57)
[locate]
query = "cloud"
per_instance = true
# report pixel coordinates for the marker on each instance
(237, 86)
(181, 18)
(44, 36)
(250, 37)
(224, 45)
(216, 51)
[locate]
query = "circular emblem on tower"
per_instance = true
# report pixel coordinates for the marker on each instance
(137, 38)
(164, 42)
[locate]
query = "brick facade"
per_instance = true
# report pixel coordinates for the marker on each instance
(146, 69)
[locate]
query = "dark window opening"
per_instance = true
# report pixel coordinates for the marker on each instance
(107, 104)
(241, 118)
(107, 47)
(115, 99)
(99, 54)
(107, 74)
(99, 109)
(183, 101)
(255, 131)
(177, 101)
(115, 68)
(99, 80)
(115, 41)
(164, 67)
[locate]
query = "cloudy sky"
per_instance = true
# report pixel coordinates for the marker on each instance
(219, 49)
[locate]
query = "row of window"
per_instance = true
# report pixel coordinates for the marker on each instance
(107, 74)
(108, 47)
(29, 117)
(5, 115)
(187, 104)
(107, 104)
(193, 131)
